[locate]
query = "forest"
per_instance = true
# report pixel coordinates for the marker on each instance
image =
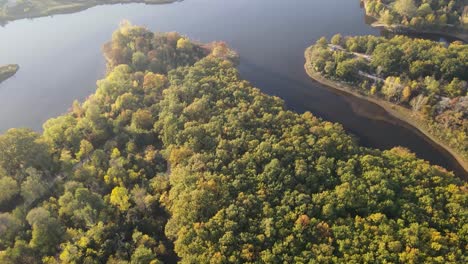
(176, 158)
(418, 14)
(426, 77)
(8, 71)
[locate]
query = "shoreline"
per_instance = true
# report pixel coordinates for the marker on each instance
(457, 32)
(403, 114)
(459, 35)
(8, 71)
(75, 8)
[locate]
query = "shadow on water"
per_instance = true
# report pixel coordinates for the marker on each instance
(304, 94)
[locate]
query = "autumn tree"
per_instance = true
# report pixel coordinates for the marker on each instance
(405, 7)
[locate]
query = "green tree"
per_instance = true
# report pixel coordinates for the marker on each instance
(23, 148)
(46, 231)
(393, 88)
(405, 7)
(387, 17)
(425, 9)
(388, 58)
(456, 88)
(8, 189)
(432, 85)
(143, 255)
(9, 229)
(80, 205)
(346, 70)
(184, 44)
(34, 187)
(322, 42)
(139, 61)
(142, 119)
(86, 148)
(154, 82)
(337, 39)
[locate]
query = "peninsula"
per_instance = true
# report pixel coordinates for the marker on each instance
(7, 71)
(13, 9)
(424, 86)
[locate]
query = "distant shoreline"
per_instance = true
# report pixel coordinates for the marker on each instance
(455, 32)
(74, 8)
(8, 71)
(399, 112)
(458, 34)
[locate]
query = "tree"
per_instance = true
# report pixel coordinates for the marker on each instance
(432, 85)
(443, 19)
(142, 119)
(406, 94)
(34, 187)
(418, 102)
(241, 177)
(154, 82)
(119, 197)
(421, 68)
(86, 148)
(370, 7)
(9, 227)
(80, 205)
(456, 88)
(392, 88)
(140, 198)
(337, 40)
(388, 57)
(425, 9)
(139, 61)
(184, 44)
(454, 68)
(347, 69)
(143, 255)
(21, 252)
(330, 68)
(387, 17)
(8, 189)
(405, 7)
(126, 101)
(23, 148)
(322, 42)
(46, 231)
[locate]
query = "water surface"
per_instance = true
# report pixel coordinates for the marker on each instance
(60, 59)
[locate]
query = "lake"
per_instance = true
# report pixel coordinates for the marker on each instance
(60, 59)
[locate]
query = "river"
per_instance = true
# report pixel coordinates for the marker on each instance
(60, 59)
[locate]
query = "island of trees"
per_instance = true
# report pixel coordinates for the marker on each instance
(8, 71)
(420, 81)
(17, 9)
(176, 158)
(448, 16)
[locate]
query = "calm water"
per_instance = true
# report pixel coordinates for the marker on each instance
(60, 59)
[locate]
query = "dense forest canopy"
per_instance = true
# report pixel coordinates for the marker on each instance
(426, 76)
(175, 154)
(431, 14)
